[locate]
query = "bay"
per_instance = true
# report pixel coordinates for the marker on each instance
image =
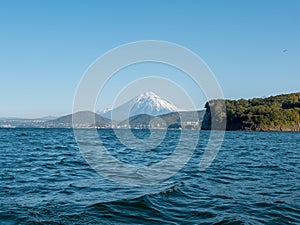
(44, 179)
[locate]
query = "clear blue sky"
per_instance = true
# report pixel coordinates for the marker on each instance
(45, 46)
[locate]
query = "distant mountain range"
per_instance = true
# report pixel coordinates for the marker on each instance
(81, 119)
(18, 118)
(147, 110)
(275, 113)
(47, 118)
(183, 119)
(86, 119)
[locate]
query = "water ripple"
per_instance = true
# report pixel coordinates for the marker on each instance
(255, 179)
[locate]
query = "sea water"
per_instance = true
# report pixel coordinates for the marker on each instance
(45, 179)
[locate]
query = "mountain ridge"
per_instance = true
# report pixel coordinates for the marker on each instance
(274, 113)
(145, 103)
(181, 119)
(81, 119)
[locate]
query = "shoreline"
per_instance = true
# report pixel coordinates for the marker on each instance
(87, 128)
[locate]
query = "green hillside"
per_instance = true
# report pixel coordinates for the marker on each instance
(184, 119)
(275, 113)
(84, 118)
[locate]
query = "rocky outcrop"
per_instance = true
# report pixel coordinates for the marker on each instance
(275, 113)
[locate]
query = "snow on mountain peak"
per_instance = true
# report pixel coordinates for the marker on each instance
(147, 95)
(146, 103)
(152, 104)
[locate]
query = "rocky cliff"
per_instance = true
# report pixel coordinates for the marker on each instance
(275, 113)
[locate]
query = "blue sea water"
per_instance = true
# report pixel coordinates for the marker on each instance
(44, 179)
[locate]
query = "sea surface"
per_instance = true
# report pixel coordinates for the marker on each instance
(254, 179)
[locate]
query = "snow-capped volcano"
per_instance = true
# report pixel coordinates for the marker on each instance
(146, 103)
(151, 104)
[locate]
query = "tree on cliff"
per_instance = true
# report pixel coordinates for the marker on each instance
(280, 112)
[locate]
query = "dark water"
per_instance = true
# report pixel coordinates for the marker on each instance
(255, 179)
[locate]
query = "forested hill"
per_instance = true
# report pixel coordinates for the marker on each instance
(275, 113)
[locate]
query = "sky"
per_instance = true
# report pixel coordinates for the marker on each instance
(252, 47)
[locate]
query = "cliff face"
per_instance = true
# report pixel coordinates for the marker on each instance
(215, 116)
(276, 113)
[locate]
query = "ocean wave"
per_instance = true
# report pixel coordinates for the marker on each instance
(167, 191)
